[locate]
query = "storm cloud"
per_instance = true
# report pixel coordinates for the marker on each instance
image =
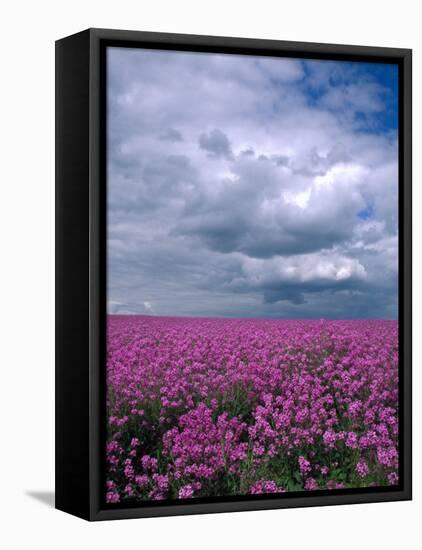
(251, 187)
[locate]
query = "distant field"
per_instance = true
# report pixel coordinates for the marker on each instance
(201, 407)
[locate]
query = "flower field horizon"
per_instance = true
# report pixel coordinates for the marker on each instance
(217, 407)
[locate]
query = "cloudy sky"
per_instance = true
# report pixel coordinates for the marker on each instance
(244, 186)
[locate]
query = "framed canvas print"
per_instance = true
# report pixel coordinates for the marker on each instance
(233, 322)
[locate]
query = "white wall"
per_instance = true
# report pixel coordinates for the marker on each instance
(27, 274)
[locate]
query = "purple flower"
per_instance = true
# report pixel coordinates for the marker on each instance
(311, 484)
(112, 497)
(393, 478)
(142, 481)
(304, 465)
(263, 486)
(186, 491)
(207, 406)
(362, 468)
(352, 440)
(329, 438)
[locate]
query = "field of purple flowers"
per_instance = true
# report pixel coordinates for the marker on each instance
(216, 407)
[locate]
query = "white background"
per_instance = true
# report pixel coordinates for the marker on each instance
(27, 272)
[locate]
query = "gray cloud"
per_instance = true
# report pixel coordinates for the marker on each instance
(263, 213)
(216, 144)
(171, 134)
(280, 160)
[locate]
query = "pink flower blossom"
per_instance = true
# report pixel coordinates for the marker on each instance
(263, 486)
(362, 468)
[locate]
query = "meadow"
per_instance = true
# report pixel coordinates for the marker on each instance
(205, 407)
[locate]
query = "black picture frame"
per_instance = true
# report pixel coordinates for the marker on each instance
(81, 269)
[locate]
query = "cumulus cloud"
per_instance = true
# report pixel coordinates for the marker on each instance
(291, 278)
(244, 186)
